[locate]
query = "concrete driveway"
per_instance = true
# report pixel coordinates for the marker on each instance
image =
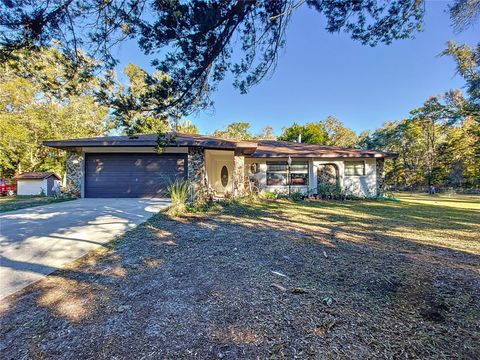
(37, 241)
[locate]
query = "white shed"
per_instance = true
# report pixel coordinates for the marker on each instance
(34, 183)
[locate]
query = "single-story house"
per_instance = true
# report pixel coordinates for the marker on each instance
(130, 166)
(36, 183)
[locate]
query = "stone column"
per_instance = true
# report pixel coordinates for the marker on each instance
(380, 176)
(196, 172)
(238, 174)
(74, 172)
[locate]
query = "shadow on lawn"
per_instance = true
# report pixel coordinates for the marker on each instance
(203, 285)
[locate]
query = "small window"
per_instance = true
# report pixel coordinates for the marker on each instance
(278, 173)
(354, 168)
(255, 168)
(224, 176)
(299, 173)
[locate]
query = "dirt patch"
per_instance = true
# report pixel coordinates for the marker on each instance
(201, 287)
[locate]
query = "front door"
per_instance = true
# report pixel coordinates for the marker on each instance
(223, 179)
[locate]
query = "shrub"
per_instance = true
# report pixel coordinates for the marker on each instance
(268, 195)
(250, 197)
(389, 197)
(296, 196)
(180, 194)
(331, 191)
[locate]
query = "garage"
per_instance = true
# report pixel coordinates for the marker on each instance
(132, 175)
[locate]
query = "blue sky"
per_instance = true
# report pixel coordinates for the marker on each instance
(321, 74)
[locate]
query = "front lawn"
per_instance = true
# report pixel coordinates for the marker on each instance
(10, 203)
(272, 279)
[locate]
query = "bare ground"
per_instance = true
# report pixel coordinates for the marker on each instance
(265, 280)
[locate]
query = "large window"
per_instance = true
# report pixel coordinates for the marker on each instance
(354, 168)
(279, 174)
(299, 173)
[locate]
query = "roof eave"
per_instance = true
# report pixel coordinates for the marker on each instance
(68, 144)
(19, 177)
(76, 144)
(390, 155)
(327, 156)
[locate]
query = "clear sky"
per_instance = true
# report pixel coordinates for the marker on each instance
(321, 74)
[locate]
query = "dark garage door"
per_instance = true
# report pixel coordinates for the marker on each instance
(132, 175)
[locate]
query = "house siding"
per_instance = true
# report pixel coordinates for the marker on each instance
(366, 185)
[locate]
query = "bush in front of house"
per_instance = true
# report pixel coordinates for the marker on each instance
(297, 196)
(268, 195)
(180, 191)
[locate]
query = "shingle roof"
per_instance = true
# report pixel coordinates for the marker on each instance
(272, 148)
(253, 148)
(35, 176)
(150, 140)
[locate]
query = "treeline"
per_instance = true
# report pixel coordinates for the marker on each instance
(432, 150)
(43, 96)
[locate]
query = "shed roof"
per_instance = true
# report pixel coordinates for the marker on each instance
(36, 176)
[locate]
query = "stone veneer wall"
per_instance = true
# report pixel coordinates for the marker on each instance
(238, 175)
(196, 171)
(74, 173)
(380, 176)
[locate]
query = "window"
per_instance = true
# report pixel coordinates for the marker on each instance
(278, 173)
(299, 173)
(224, 176)
(354, 168)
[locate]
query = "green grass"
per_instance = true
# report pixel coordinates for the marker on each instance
(16, 198)
(449, 221)
(11, 203)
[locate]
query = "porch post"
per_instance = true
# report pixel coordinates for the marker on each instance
(238, 174)
(196, 171)
(74, 172)
(380, 176)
